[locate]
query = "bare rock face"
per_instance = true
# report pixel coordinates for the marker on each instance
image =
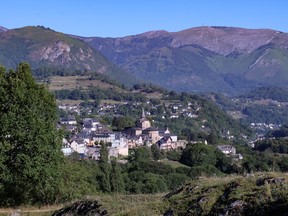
(82, 208)
(60, 52)
(52, 52)
(270, 180)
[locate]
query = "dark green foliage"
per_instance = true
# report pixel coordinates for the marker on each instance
(156, 153)
(117, 180)
(205, 160)
(216, 120)
(173, 155)
(175, 180)
(204, 170)
(224, 163)
(267, 107)
(143, 175)
(154, 167)
(29, 141)
(78, 178)
(98, 94)
(141, 154)
(274, 93)
(279, 145)
(270, 114)
(216, 117)
(260, 161)
(148, 88)
(282, 132)
(141, 182)
(105, 170)
(198, 154)
(123, 122)
(283, 164)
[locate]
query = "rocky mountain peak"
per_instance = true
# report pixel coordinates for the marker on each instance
(154, 34)
(206, 58)
(225, 40)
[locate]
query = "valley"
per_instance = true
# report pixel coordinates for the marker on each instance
(173, 123)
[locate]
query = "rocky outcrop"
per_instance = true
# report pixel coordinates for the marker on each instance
(82, 208)
(242, 196)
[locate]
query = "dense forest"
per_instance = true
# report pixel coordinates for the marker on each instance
(263, 105)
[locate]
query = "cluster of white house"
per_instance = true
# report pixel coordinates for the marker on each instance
(86, 143)
(92, 133)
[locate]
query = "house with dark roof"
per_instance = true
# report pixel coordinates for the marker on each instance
(165, 143)
(70, 120)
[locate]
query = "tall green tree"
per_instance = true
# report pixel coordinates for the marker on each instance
(29, 141)
(105, 168)
(198, 155)
(117, 180)
(141, 154)
(156, 153)
(122, 122)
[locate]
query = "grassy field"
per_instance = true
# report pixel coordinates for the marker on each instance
(30, 211)
(174, 164)
(257, 194)
(154, 95)
(74, 82)
(77, 102)
(132, 205)
(118, 205)
(110, 102)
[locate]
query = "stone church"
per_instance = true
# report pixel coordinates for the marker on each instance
(145, 134)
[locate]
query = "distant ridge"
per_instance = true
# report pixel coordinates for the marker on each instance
(202, 59)
(50, 52)
(222, 59)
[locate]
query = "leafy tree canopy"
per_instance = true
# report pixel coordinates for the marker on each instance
(29, 141)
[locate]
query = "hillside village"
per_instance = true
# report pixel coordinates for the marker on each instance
(85, 139)
(86, 134)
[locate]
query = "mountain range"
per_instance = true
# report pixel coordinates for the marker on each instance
(202, 59)
(53, 52)
(220, 59)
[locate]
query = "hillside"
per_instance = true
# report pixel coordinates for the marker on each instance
(187, 115)
(205, 59)
(50, 52)
(262, 194)
(262, 105)
(202, 59)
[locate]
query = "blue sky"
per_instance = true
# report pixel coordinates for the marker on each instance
(117, 18)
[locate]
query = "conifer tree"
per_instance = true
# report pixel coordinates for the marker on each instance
(117, 181)
(105, 168)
